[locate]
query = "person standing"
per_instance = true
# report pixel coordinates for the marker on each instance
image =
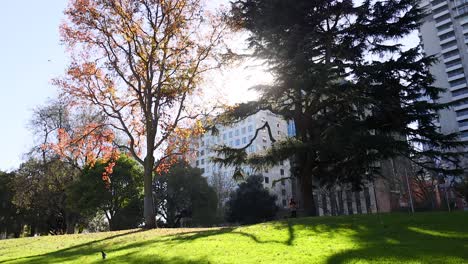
(293, 208)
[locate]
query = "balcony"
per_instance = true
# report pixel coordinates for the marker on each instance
(446, 11)
(451, 48)
(443, 22)
(452, 58)
(458, 87)
(463, 21)
(447, 40)
(456, 77)
(454, 67)
(440, 33)
(438, 5)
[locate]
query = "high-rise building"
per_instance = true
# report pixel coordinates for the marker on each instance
(444, 34)
(239, 135)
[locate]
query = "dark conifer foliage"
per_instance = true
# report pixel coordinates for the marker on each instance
(355, 95)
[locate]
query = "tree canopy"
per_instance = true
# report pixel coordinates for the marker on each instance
(139, 62)
(356, 96)
(182, 192)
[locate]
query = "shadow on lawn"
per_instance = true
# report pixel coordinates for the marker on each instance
(70, 251)
(94, 247)
(414, 240)
(191, 236)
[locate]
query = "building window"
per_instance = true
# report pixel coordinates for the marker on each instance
(277, 124)
(250, 128)
(237, 142)
(281, 163)
(447, 35)
(282, 172)
(444, 27)
(230, 134)
(462, 112)
(451, 54)
(448, 45)
(224, 136)
(197, 163)
(460, 92)
(456, 83)
(231, 143)
(252, 148)
(202, 153)
(237, 132)
(284, 202)
(202, 170)
(462, 123)
(283, 192)
(202, 161)
(243, 130)
(464, 134)
(283, 182)
(452, 63)
(244, 140)
(203, 143)
(267, 180)
(442, 18)
(455, 72)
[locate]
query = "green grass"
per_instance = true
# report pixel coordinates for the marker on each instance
(387, 238)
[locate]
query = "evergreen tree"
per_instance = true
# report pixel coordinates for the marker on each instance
(251, 203)
(182, 192)
(351, 89)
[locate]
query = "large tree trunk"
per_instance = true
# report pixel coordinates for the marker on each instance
(150, 216)
(307, 197)
(71, 223)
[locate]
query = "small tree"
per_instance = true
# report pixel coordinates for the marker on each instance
(182, 192)
(251, 203)
(9, 214)
(121, 201)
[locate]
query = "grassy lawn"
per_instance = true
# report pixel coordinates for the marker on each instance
(388, 238)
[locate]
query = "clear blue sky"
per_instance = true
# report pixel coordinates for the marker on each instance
(31, 55)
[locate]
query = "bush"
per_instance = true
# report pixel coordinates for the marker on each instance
(251, 203)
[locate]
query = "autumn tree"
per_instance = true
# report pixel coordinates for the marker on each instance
(139, 62)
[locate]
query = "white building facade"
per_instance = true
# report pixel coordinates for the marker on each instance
(444, 34)
(238, 136)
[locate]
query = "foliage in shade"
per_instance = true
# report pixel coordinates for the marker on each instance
(251, 203)
(183, 194)
(355, 96)
(121, 201)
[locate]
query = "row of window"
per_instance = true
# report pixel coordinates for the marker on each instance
(457, 83)
(460, 92)
(461, 112)
(452, 63)
(455, 72)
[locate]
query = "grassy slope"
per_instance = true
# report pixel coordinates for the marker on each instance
(390, 238)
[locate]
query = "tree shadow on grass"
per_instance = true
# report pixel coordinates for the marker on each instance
(91, 250)
(411, 240)
(85, 248)
(191, 236)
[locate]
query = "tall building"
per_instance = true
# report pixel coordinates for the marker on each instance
(444, 34)
(239, 135)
